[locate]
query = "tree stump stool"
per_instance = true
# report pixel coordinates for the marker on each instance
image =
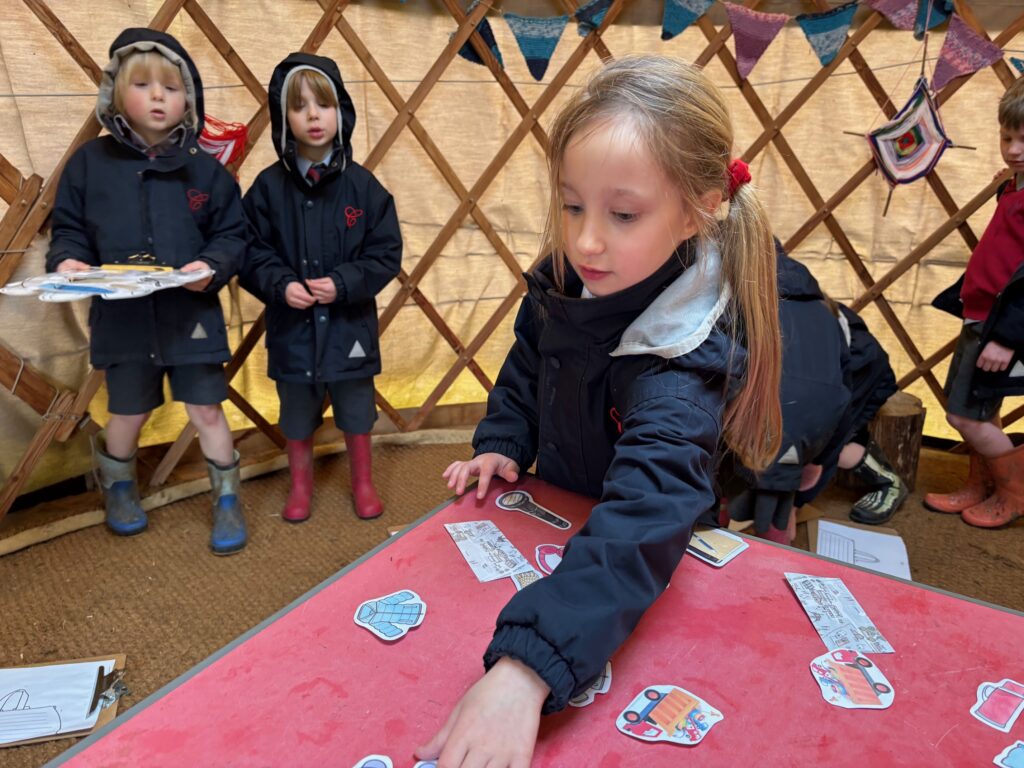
(897, 428)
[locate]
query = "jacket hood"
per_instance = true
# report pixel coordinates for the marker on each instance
(795, 280)
(141, 40)
(683, 315)
(284, 142)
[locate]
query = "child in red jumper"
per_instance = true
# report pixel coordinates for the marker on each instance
(986, 365)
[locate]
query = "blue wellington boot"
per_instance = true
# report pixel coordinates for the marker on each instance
(125, 515)
(229, 534)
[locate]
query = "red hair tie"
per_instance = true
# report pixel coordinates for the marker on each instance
(739, 174)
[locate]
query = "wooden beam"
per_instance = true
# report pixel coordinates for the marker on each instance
(10, 181)
(66, 39)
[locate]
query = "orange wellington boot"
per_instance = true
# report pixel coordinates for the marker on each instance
(979, 486)
(1006, 505)
(364, 495)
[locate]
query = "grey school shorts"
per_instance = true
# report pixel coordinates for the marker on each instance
(137, 388)
(302, 406)
(961, 401)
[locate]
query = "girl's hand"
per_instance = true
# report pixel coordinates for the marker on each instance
(194, 266)
(995, 357)
(494, 724)
(486, 465)
(323, 289)
(297, 297)
(72, 265)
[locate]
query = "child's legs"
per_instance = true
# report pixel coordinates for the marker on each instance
(976, 419)
(302, 409)
(854, 450)
(202, 388)
(354, 405)
(133, 391)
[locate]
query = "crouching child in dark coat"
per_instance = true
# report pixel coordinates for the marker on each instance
(148, 195)
(326, 242)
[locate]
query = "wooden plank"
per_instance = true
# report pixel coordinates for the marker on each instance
(10, 181)
(316, 37)
(928, 363)
(256, 418)
(225, 49)
(43, 437)
(26, 382)
(66, 39)
(18, 212)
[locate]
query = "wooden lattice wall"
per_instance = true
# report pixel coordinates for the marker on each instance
(62, 410)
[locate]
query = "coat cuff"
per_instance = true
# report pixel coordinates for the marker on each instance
(526, 645)
(339, 286)
(509, 448)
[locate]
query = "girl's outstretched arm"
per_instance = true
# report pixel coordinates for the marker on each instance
(494, 724)
(486, 466)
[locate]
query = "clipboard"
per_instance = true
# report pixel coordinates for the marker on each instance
(107, 691)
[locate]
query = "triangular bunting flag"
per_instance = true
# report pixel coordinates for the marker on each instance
(679, 14)
(590, 16)
(826, 32)
(932, 13)
(963, 52)
(752, 32)
(1018, 63)
(537, 38)
(468, 52)
(909, 146)
(900, 13)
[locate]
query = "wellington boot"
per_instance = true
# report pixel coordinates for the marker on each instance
(364, 495)
(125, 515)
(979, 486)
(300, 465)
(1006, 505)
(229, 534)
(888, 489)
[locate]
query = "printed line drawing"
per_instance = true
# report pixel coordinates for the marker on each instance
(19, 721)
(521, 501)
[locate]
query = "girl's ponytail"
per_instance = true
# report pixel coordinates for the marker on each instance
(753, 419)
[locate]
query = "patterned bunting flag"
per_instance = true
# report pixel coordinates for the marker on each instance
(932, 13)
(753, 32)
(590, 16)
(1018, 63)
(963, 52)
(909, 146)
(826, 32)
(679, 14)
(900, 13)
(468, 52)
(537, 38)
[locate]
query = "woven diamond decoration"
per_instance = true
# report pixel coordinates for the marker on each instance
(910, 145)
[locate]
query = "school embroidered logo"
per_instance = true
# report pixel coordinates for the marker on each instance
(196, 199)
(352, 215)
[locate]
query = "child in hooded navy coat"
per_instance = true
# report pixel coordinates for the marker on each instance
(147, 194)
(328, 242)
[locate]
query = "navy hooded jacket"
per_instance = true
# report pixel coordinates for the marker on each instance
(344, 227)
(114, 202)
(624, 405)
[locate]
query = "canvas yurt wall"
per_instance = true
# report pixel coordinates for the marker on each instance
(461, 147)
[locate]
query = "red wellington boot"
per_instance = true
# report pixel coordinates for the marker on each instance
(360, 457)
(300, 463)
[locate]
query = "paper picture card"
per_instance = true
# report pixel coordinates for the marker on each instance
(668, 713)
(850, 680)
(715, 546)
(999, 704)
(390, 617)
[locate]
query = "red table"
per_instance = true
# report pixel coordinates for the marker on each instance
(308, 687)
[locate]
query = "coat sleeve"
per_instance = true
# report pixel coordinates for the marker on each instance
(510, 426)
(264, 273)
(226, 231)
(380, 257)
(567, 626)
(69, 234)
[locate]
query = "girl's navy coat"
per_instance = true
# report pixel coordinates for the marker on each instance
(602, 418)
(114, 202)
(344, 227)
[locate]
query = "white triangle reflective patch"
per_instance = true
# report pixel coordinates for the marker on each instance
(357, 350)
(790, 456)
(199, 332)
(1017, 370)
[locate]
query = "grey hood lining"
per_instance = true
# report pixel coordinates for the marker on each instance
(682, 317)
(105, 101)
(285, 129)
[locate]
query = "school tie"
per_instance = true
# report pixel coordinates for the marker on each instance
(315, 171)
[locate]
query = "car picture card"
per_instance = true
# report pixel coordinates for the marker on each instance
(668, 713)
(850, 680)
